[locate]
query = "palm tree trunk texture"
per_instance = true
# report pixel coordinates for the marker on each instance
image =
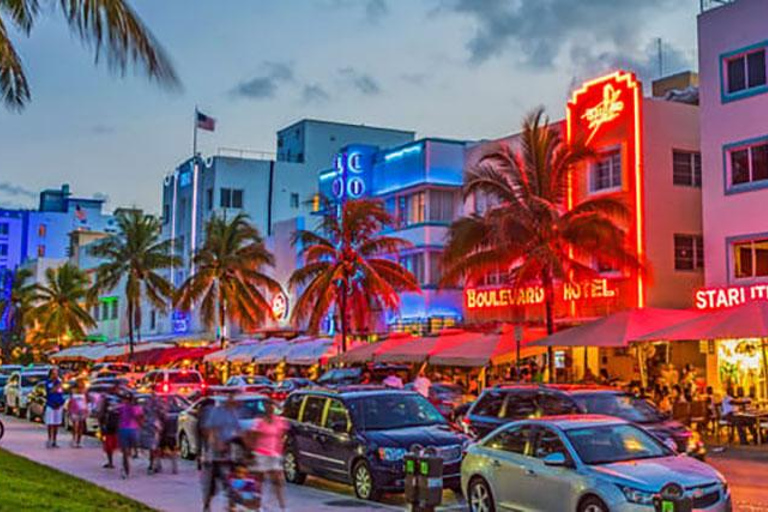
(549, 305)
(221, 313)
(343, 314)
(130, 330)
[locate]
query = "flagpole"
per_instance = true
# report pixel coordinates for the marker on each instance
(194, 135)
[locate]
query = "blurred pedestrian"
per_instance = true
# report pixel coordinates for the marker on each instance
(54, 406)
(393, 381)
(130, 415)
(422, 384)
(151, 427)
(269, 434)
(167, 448)
(77, 410)
(109, 422)
(220, 428)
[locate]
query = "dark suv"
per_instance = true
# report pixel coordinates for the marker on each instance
(360, 434)
(500, 405)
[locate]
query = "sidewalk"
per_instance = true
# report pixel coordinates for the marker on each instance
(167, 492)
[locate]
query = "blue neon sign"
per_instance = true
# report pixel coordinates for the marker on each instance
(401, 153)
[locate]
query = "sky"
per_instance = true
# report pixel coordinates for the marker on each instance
(466, 69)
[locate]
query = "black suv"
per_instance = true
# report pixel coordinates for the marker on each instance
(500, 405)
(360, 434)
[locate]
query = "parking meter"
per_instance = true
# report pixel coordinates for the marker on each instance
(429, 481)
(410, 467)
(672, 499)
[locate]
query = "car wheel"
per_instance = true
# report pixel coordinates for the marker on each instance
(184, 448)
(480, 498)
(592, 504)
(362, 480)
(21, 413)
(291, 469)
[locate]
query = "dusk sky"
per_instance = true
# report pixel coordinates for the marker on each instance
(449, 68)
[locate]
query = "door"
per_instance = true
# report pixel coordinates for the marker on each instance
(335, 440)
(310, 451)
(510, 449)
(547, 487)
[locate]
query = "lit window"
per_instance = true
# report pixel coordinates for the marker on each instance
(689, 252)
(606, 172)
(686, 168)
(750, 258)
(749, 163)
(41, 230)
(745, 71)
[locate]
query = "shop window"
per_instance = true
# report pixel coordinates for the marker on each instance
(749, 164)
(689, 252)
(4, 229)
(745, 72)
(750, 258)
(686, 168)
(605, 174)
(95, 312)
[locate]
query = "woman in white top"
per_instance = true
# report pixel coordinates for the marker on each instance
(77, 410)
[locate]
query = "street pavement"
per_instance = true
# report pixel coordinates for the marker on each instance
(746, 470)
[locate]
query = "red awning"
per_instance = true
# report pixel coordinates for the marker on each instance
(419, 350)
(619, 329)
(166, 356)
(369, 351)
(483, 349)
(749, 320)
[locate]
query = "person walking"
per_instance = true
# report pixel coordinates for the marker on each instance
(220, 427)
(109, 421)
(269, 433)
(77, 409)
(167, 448)
(54, 406)
(130, 415)
(151, 427)
(422, 384)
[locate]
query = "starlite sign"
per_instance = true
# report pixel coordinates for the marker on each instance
(606, 111)
(502, 297)
(720, 298)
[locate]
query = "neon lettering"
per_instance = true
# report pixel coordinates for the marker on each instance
(605, 111)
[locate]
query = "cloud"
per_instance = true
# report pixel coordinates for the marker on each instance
(414, 78)
(539, 31)
(363, 82)
(266, 84)
(314, 93)
(9, 189)
(102, 129)
(375, 10)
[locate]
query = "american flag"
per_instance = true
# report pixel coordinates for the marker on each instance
(205, 122)
(80, 213)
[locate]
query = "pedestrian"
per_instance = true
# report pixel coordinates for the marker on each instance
(393, 381)
(422, 384)
(130, 415)
(151, 427)
(77, 409)
(268, 448)
(109, 421)
(54, 406)
(167, 448)
(220, 428)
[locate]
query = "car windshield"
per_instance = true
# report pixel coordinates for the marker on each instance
(175, 403)
(446, 390)
(607, 444)
(28, 381)
(256, 379)
(340, 374)
(394, 410)
(250, 409)
(184, 378)
(626, 407)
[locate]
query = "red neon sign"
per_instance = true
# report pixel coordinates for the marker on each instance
(720, 298)
(606, 112)
(501, 297)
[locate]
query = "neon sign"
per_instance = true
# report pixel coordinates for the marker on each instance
(350, 174)
(719, 298)
(604, 112)
(400, 153)
(491, 298)
(280, 306)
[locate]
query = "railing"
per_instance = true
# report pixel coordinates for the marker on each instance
(706, 5)
(246, 153)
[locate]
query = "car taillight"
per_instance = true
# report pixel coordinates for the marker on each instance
(166, 387)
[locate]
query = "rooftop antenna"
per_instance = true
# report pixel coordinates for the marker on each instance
(660, 48)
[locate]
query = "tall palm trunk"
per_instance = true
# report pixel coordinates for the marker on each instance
(130, 329)
(343, 314)
(221, 313)
(549, 307)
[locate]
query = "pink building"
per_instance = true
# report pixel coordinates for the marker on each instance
(733, 40)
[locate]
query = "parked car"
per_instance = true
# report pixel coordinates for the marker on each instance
(111, 368)
(3, 381)
(340, 377)
(584, 463)
(176, 382)
(359, 435)
(447, 397)
(249, 408)
(8, 369)
(249, 380)
(503, 404)
(287, 386)
(19, 386)
(612, 402)
(36, 399)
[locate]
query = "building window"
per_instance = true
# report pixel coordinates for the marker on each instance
(113, 315)
(442, 205)
(3, 250)
(415, 264)
(95, 312)
(166, 213)
(605, 174)
(209, 199)
(41, 251)
(689, 252)
(745, 71)
(237, 198)
(411, 209)
(686, 168)
(41, 230)
(435, 267)
(294, 200)
(153, 320)
(225, 198)
(231, 198)
(750, 258)
(4, 229)
(749, 164)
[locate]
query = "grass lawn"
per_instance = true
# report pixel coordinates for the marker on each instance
(26, 485)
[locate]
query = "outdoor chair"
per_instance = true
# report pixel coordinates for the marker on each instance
(699, 414)
(721, 423)
(681, 411)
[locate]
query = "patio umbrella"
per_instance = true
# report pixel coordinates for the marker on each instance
(369, 351)
(272, 353)
(618, 329)
(419, 350)
(254, 350)
(310, 352)
(749, 320)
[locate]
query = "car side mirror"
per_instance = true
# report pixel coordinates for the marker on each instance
(556, 459)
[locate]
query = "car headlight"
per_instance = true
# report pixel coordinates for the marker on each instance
(637, 496)
(392, 454)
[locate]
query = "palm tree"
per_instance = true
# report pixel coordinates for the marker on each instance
(228, 279)
(61, 310)
(529, 232)
(138, 257)
(110, 27)
(16, 308)
(349, 264)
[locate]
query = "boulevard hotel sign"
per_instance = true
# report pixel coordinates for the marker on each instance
(505, 297)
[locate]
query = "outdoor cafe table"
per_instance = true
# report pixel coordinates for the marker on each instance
(756, 417)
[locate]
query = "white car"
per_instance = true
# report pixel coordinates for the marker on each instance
(18, 387)
(585, 464)
(174, 382)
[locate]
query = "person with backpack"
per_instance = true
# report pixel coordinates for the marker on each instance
(109, 421)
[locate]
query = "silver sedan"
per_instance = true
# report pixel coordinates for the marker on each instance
(585, 464)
